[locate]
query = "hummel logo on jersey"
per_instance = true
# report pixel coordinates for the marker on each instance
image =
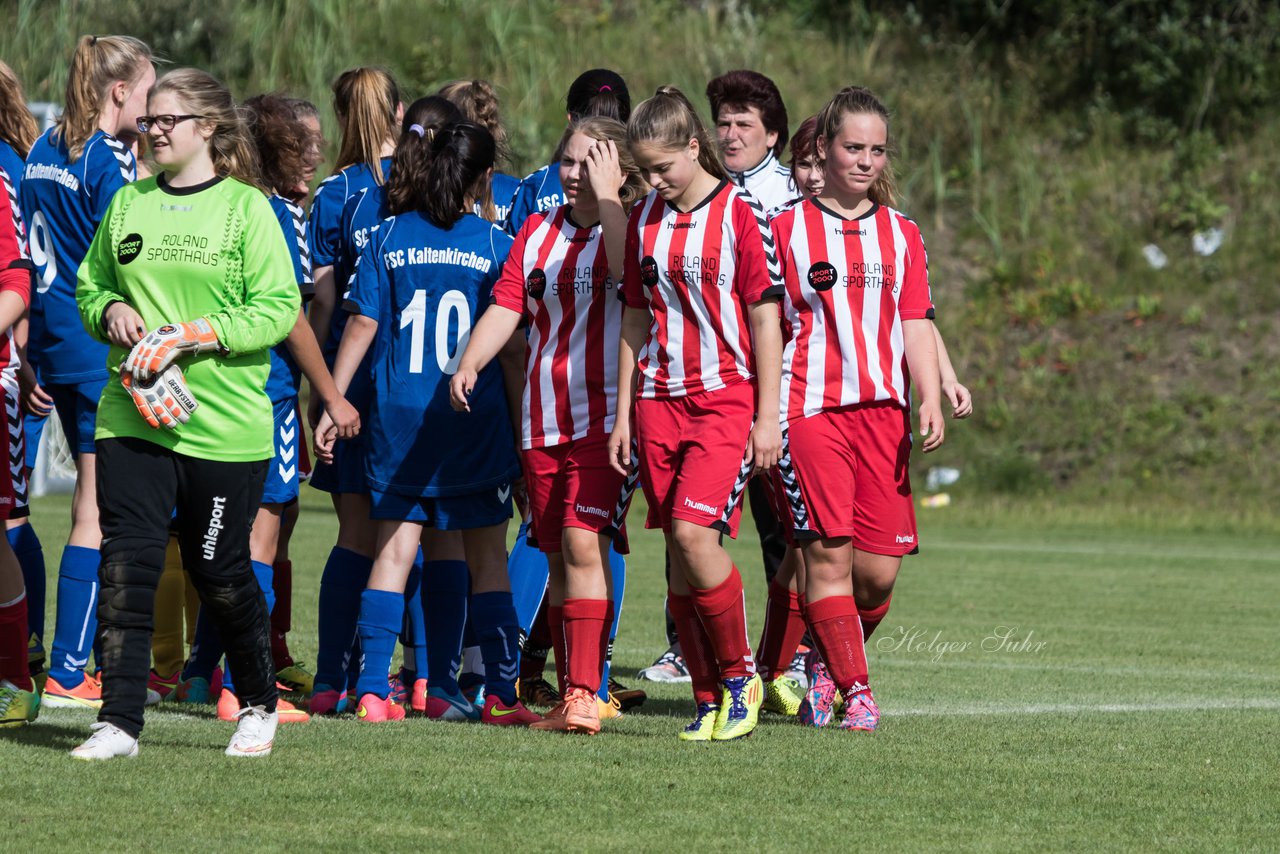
(177, 208)
(908, 539)
(648, 271)
(215, 527)
(673, 225)
(859, 232)
(822, 276)
(698, 505)
(130, 247)
(594, 511)
(536, 283)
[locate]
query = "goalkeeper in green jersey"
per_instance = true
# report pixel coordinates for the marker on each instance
(190, 281)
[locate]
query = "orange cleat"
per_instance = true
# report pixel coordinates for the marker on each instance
(578, 713)
(375, 710)
(86, 695)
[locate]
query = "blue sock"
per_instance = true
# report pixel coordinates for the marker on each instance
(528, 570)
(76, 623)
(346, 574)
(618, 569)
(26, 546)
(381, 615)
(494, 618)
(445, 586)
(413, 637)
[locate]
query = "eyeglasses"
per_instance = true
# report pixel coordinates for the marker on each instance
(165, 122)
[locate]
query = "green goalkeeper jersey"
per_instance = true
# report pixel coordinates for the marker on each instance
(215, 251)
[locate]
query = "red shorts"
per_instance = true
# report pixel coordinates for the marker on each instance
(13, 486)
(692, 450)
(844, 474)
(572, 485)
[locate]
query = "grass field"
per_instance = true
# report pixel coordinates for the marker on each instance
(1133, 703)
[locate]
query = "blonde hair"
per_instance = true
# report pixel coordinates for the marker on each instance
(478, 101)
(669, 120)
(17, 126)
(97, 63)
(365, 101)
(603, 129)
(853, 101)
(230, 146)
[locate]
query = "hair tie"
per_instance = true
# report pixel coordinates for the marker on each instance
(93, 41)
(418, 129)
(605, 88)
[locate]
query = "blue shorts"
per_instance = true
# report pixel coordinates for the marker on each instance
(77, 407)
(345, 475)
(445, 513)
(33, 428)
(282, 472)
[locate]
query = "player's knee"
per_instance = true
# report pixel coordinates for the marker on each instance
(129, 577)
(693, 540)
(582, 552)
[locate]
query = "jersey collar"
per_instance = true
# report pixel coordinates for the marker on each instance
(740, 178)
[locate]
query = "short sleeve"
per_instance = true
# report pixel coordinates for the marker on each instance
(509, 289)
(364, 293)
(631, 290)
(522, 204)
(916, 300)
(112, 165)
(325, 226)
(757, 274)
(294, 225)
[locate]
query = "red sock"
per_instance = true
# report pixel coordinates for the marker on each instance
(13, 643)
(871, 617)
(583, 621)
(783, 628)
(696, 647)
(835, 627)
(606, 641)
(533, 658)
(555, 619)
(282, 613)
(723, 613)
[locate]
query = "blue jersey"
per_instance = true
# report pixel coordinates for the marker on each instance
(426, 287)
(539, 192)
(282, 382)
(503, 189)
(325, 233)
(63, 203)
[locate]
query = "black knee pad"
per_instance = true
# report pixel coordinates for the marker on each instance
(129, 574)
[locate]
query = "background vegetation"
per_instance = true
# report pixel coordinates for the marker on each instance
(1041, 148)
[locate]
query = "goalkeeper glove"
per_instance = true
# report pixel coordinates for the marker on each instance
(160, 347)
(164, 401)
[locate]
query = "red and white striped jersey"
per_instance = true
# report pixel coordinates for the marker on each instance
(15, 267)
(699, 272)
(849, 286)
(557, 276)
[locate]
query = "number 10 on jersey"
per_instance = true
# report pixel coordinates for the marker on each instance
(414, 316)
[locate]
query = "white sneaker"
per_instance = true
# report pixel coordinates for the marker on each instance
(797, 671)
(255, 732)
(668, 668)
(107, 742)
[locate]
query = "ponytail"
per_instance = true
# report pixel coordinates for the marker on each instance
(17, 126)
(461, 157)
(668, 120)
(97, 64)
(365, 101)
(852, 101)
(422, 121)
(230, 146)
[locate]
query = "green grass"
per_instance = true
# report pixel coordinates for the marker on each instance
(1148, 719)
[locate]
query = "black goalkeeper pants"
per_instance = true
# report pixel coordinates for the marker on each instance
(139, 486)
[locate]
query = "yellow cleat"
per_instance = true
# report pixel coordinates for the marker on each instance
(704, 721)
(782, 696)
(17, 707)
(739, 707)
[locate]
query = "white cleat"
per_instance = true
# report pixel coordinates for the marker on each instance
(153, 697)
(107, 742)
(255, 733)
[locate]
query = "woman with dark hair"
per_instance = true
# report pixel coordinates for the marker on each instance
(194, 255)
(424, 276)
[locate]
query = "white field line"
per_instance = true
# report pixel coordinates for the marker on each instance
(1138, 551)
(1184, 705)
(925, 659)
